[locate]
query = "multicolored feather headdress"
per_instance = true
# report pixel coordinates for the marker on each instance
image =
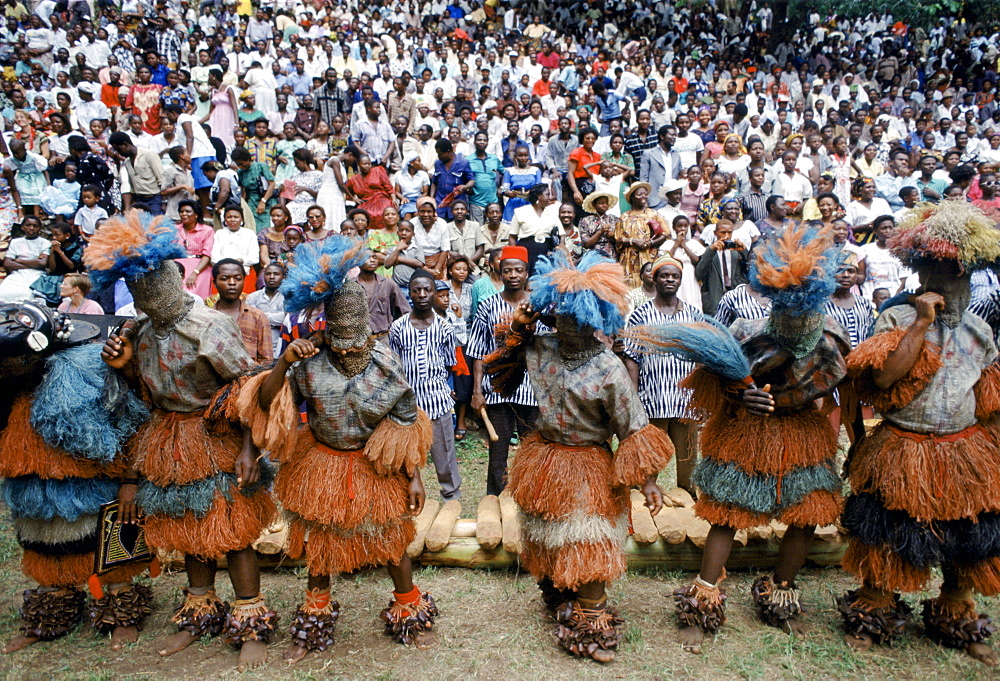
(594, 293)
(320, 270)
(130, 246)
(953, 231)
(796, 270)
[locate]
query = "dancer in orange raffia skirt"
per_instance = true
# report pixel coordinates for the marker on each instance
(572, 488)
(201, 486)
(926, 481)
(351, 478)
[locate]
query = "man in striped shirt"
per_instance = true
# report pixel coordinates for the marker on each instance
(520, 411)
(425, 344)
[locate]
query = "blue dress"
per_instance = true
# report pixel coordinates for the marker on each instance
(518, 179)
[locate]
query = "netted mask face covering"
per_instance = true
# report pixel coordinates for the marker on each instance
(160, 295)
(577, 344)
(347, 318)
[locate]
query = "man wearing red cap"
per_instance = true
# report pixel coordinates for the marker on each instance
(520, 411)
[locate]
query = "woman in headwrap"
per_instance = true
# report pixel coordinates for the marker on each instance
(734, 157)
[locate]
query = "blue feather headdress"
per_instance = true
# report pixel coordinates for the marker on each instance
(796, 270)
(130, 246)
(704, 342)
(594, 293)
(320, 270)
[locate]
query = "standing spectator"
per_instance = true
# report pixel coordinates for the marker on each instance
(197, 239)
(722, 267)
(640, 232)
(487, 170)
(386, 302)
(688, 251)
(452, 178)
(656, 377)
(536, 226)
(178, 183)
(27, 174)
(882, 268)
(228, 276)
(145, 172)
(271, 302)
(660, 164)
(597, 230)
(519, 412)
(426, 344)
(257, 182)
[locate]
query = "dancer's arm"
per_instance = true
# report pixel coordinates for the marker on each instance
(901, 360)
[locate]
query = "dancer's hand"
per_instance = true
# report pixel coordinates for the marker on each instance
(117, 351)
(417, 495)
(653, 494)
(247, 467)
(928, 305)
(128, 511)
(759, 402)
(524, 315)
(300, 348)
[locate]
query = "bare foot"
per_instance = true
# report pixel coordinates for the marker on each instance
(294, 654)
(18, 642)
(122, 635)
(983, 653)
(859, 643)
(252, 655)
(425, 639)
(177, 643)
(795, 627)
(691, 639)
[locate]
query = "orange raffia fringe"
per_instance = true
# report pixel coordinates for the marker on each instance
(642, 454)
(929, 478)
(983, 577)
(574, 564)
(799, 261)
(272, 430)
(987, 391)
(881, 567)
(553, 481)
(329, 550)
(708, 393)
(871, 356)
(121, 236)
(73, 570)
(314, 484)
(820, 507)
(394, 447)
(226, 527)
(412, 597)
(178, 448)
(772, 445)
(26, 453)
(869, 598)
(606, 280)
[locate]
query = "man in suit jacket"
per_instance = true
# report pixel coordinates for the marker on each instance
(660, 164)
(721, 269)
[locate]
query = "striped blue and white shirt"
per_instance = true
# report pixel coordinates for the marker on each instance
(426, 355)
(858, 320)
(739, 304)
(659, 374)
(492, 312)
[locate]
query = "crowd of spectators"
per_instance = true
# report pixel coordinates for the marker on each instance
(441, 133)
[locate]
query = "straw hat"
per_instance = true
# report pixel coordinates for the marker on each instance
(634, 187)
(588, 203)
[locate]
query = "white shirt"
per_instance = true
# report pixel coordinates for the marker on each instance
(201, 147)
(239, 245)
(688, 148)
(434, 241)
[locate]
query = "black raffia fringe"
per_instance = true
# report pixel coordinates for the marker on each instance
(921, 544)
(693, 610)
(883, 625)
(127, 607)
(775, 603)
(582, 632)
(315, 631)
(955, 630)
(201, 615)
(553, 597)
(403, 622)
(50, 614)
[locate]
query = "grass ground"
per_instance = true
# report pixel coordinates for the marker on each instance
(491, 627)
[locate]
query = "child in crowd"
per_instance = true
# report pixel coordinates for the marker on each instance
(65, 257)
(425, 343)
(294, 236)
(27, 174)
(90, 213)
(609, 182)
(271, 302)
(25, 262)
(406, 258)
(879, 296)
(74, 290)
(910, 196)
(63, 196)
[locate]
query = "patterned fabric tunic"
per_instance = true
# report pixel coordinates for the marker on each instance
(344, 410)
(184, 368)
